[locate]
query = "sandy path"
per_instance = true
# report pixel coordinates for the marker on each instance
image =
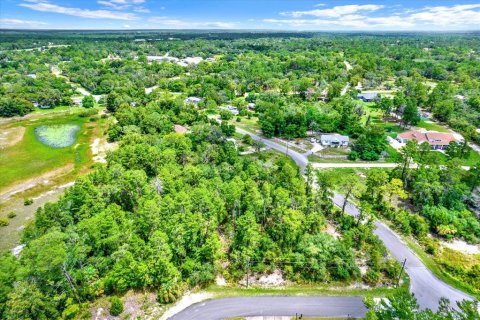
(22, 186)
(11, 136)
(10, 235)
(100, 147)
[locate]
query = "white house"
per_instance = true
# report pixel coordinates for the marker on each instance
(367, 96)
(233, 110)
(334, 140)
(193, 100)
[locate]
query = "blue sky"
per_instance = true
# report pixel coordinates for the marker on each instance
(241, 14)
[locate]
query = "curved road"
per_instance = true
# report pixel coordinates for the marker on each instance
(428, 289)
(338, 307)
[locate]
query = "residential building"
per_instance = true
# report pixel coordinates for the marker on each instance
(436, 140)
(368, 96)
(334, 140)
(193, 100)
(233, 110)
(180, 129)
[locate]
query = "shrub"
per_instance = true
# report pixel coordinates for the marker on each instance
(247, 139)
(353, 156)
(27, 201)
(371, 277)
(168, 293)
(239, 119)
(4, 222)
(116, 306)
(12, 214)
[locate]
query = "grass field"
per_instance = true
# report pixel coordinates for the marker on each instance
(438, 271)
(331, 289)
(30, 157)
(41, 168)
(431, 126)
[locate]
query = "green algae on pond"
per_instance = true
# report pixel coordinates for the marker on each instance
(57, 136)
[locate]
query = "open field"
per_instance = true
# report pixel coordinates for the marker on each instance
(32, 169)
(30, 157)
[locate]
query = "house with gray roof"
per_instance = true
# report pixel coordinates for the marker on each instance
(334, 140)
(367, 96)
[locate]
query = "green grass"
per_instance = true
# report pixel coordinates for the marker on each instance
(250, 125)
(436, 270)
(472, 160)
(431, 126)
(62, 108)
(332, 289)
(30, 157)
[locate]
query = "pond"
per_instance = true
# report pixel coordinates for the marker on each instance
(57, 136)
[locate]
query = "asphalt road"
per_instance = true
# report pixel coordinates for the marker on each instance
(341, 307)
(428, 289)
(299, 158)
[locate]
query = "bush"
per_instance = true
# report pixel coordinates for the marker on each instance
(12, 214)
(27, 201)
(4, 222)
(371, 277)
(353, 156)
(116, 307)
(247, 139)
(168, 293)
(239, 119)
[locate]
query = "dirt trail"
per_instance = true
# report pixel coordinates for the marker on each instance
(100, 147)
(10, 235)
(11, 136)
(22, 186)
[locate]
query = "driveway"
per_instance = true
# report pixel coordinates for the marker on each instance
(311, 306)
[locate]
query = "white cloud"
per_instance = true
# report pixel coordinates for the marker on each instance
(141, 9)
(448, 16)
(45, 6)
(168, 22)
(334, 12)
(21, 23)
(368, 17)
(124, 4)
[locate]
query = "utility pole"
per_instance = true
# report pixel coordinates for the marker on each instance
(248, 270)
(401, 271)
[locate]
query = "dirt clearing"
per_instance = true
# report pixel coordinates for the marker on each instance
(11, 136)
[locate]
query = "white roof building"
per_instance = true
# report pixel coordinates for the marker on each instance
(193, 100)
(334, 140)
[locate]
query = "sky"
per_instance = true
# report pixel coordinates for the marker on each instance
(339, 15)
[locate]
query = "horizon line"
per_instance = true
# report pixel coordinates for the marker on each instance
(239, 29)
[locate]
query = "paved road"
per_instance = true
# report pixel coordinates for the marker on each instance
(299, 158)
(427, 287)
(311, 306)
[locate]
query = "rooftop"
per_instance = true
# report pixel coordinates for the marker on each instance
(432, 137)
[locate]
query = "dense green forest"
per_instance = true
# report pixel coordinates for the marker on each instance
(170, 211)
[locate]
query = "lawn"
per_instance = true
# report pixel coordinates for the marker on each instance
(330, 289)
(30, 157)
(431, 126)
(472, 160)
(250, 125)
